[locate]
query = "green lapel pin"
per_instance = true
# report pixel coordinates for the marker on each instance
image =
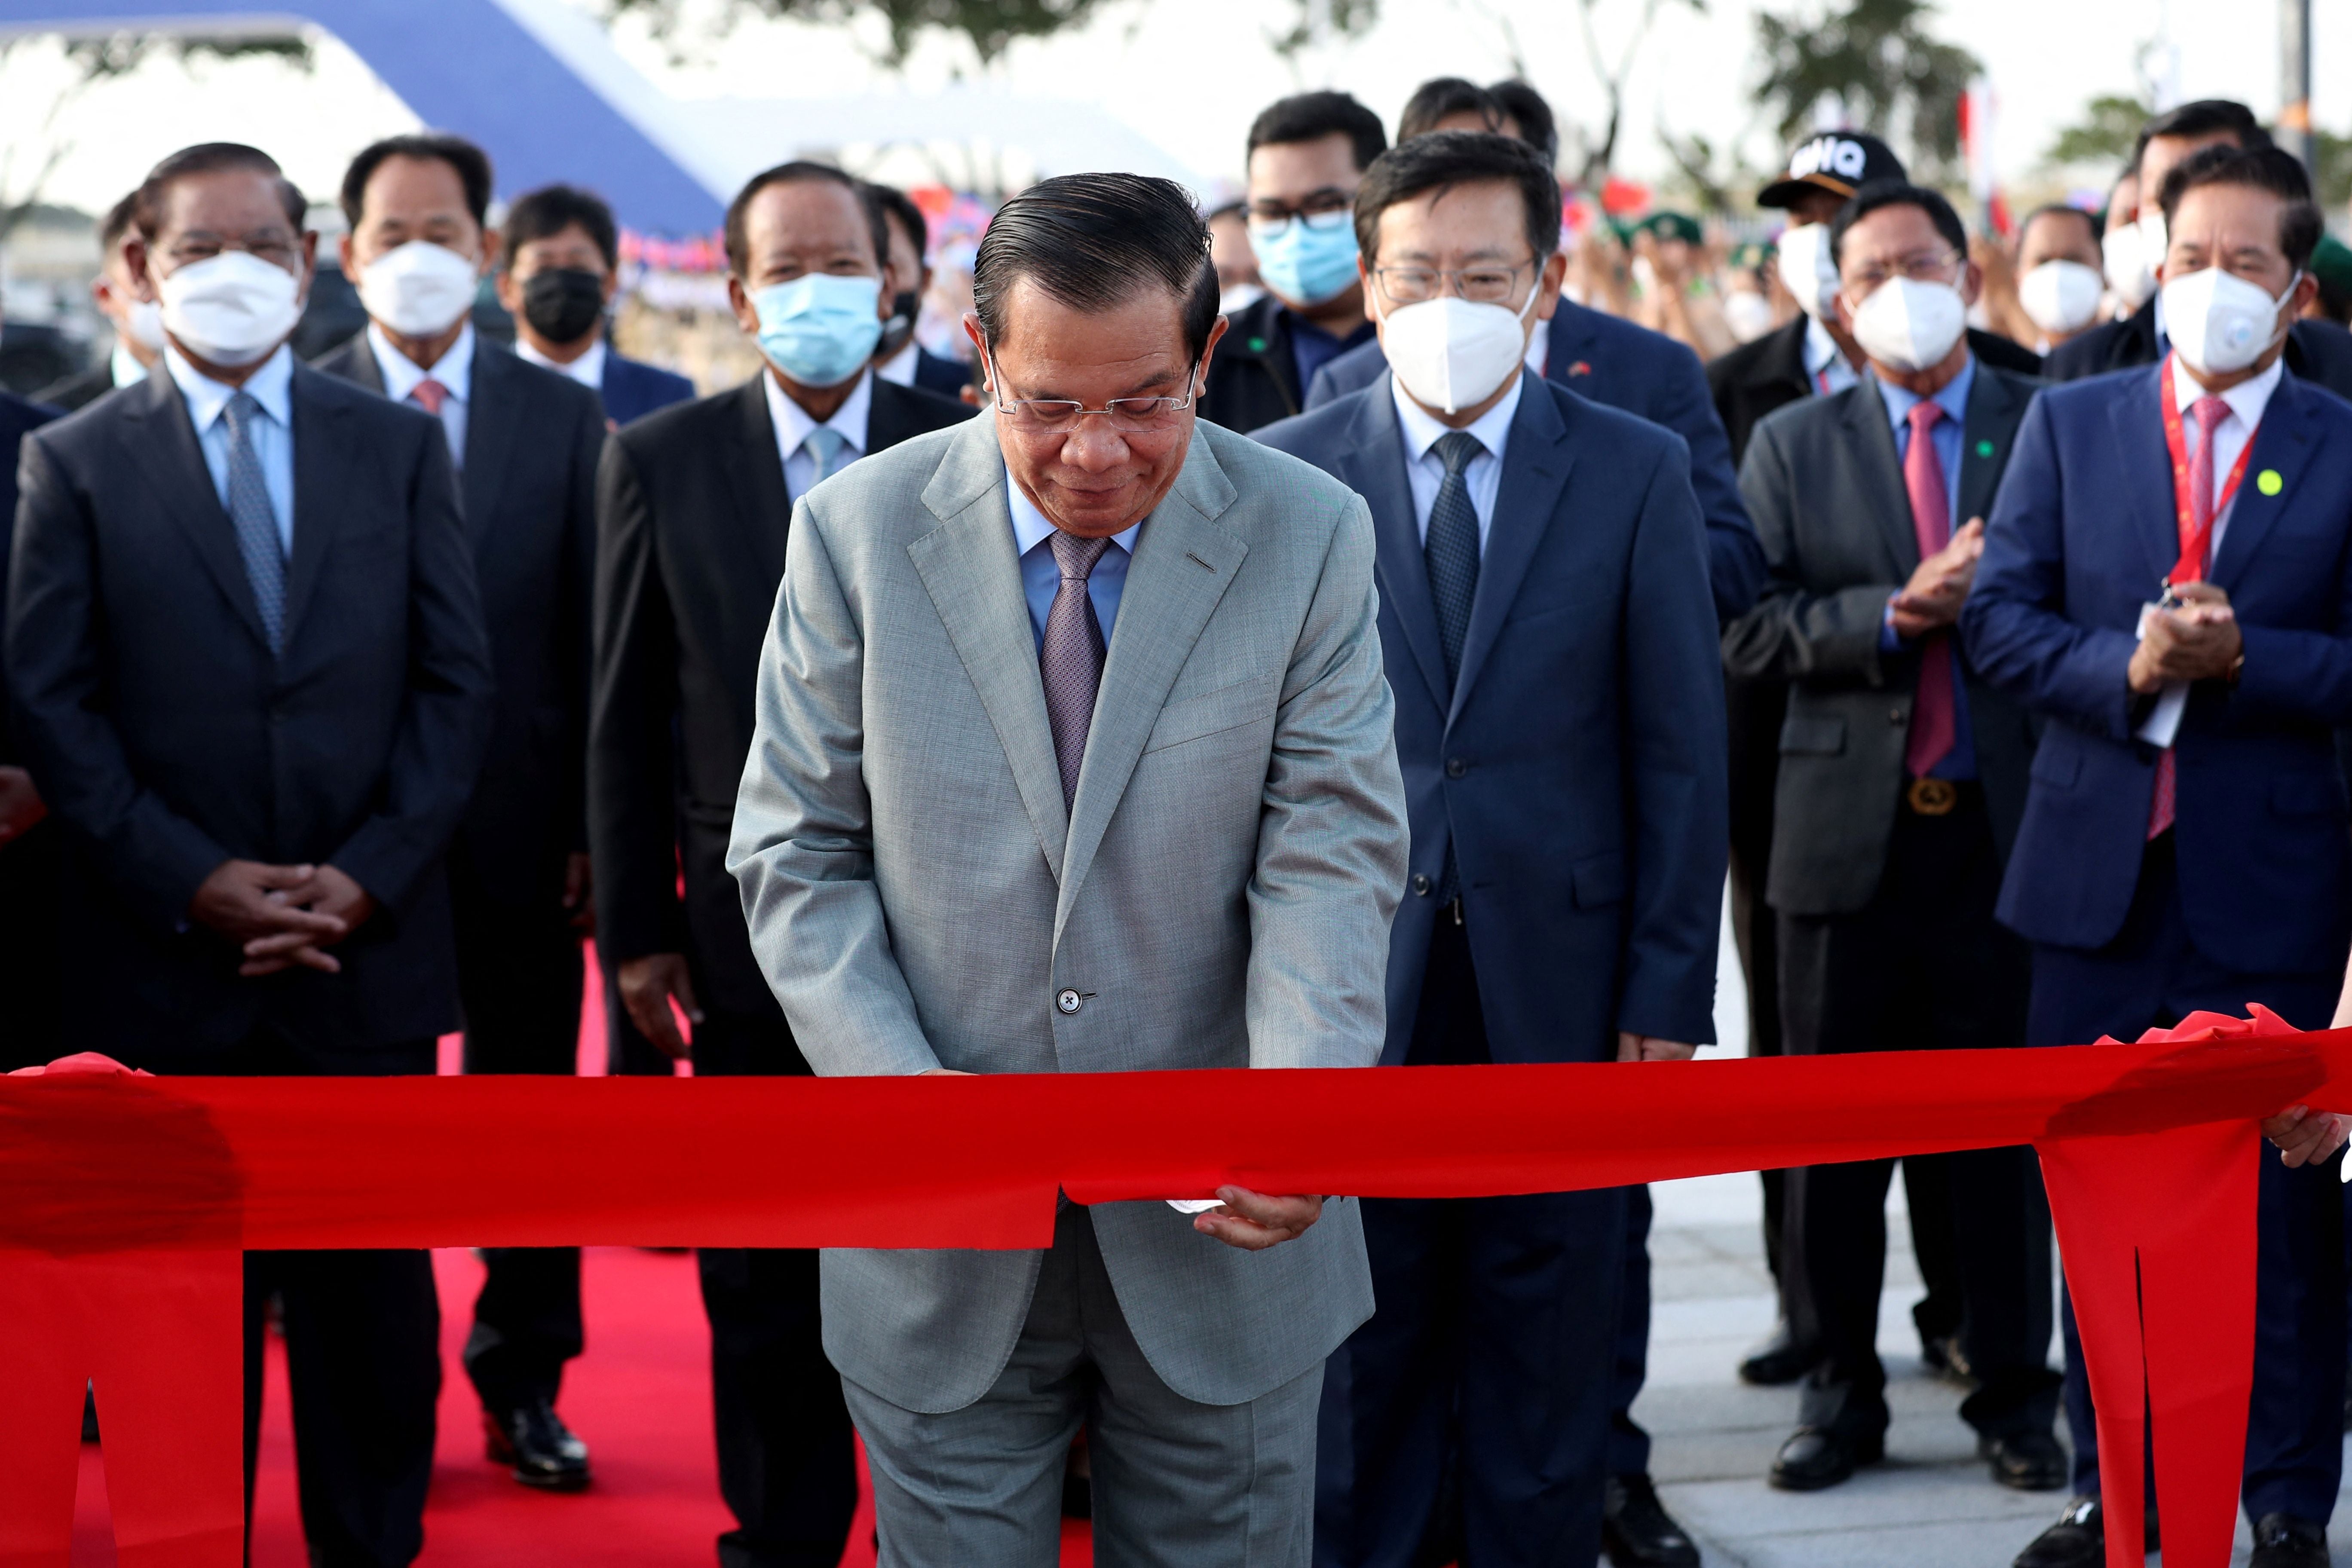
(1984, 449)
(2269, 482)
(1257, 345)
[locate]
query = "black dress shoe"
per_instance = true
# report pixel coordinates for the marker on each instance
(2079, 1539)
(2283, 1540)
(1944, 1358)
(1779, 1360)
(533, 1440)
(1636, 1530)
(2030, 1461)
(1818, 1458)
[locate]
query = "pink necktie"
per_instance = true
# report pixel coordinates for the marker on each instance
(1070, 661)
(2208, 412)
(430, 394)
(1934, 723)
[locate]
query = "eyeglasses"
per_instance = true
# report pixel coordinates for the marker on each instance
(1923, 266)
(1061, 416)
(1489, 285)
(277, 252)
(1323, 212)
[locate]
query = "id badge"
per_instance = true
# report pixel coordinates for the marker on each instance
(2163, 720)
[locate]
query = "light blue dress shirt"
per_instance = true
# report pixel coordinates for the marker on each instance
(1950, 436)
(273, 434)
(1424, 470)
(1040, 574)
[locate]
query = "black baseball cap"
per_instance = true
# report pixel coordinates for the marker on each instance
(1838, 161)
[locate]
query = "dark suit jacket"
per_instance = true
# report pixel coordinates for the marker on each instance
(81, 388)
(1253, 377)
(2081, 531)
(167, 739)
(2316, 351)
(948, 377)
(1755, 378)
(692, 513)
(1826, 489)
(632, 389)
(1650, 376)
(1577, 767)
(529, 484)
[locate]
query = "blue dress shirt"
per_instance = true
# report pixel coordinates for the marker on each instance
(1040, 574)
(273, 434)
(1948, 433)
(1312, 347)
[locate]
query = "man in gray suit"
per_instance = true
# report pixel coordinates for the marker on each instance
(1074, 753)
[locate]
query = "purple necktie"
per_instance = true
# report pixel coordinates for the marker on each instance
(1072, 657)
(1934, 717)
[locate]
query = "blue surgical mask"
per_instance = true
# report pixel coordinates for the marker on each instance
(1307, 266)
(820, 329)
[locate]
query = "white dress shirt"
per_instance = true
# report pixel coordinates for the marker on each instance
(453, 371)
(588, 370)
(1825, 363)
(792, 426)
(124, 366)
(1425, 471)
(272, 386)
(2246, 400)
(899, 368)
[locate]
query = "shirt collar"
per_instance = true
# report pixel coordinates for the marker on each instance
(1819, 347)
(1422, 428)
(588, 370)
(792, 422)
(900, 366)
(1032, 527)
(453, 371)
(2246, 400)
(272, 386)
(123, 367)
(1952, 398)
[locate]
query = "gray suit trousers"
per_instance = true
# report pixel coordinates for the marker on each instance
(1176, 1484)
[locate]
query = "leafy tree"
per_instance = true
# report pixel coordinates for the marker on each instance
(1876, 59)
(1601, 150)
(2334, 175)
(2105, 134)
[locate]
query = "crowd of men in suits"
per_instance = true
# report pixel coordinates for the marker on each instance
(362, 692)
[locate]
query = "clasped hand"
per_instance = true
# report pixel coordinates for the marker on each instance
(1932, 599)
(281, 917)
(2201, 640)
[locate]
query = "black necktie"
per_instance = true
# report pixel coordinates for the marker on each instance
(1451, 550)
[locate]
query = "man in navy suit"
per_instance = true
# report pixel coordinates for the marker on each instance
(905, 278)
(2185, 841)
(559, 269)
(1550, 634)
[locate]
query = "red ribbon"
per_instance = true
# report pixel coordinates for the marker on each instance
(123, 1199)
(2196, 538)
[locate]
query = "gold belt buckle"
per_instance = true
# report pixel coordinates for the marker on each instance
(1932, 797)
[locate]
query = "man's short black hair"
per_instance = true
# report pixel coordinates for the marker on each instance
(2089, 220)
(1311, 116)
(1094, 242)
(739, 244)
(900, 208)
(2203, 117)
(1445, 159)
(2266, 168)
(1882, 194)
(1538, 126)
(117, 223)
(207, 158)
(1440, 98)
(472, 164)
(550, 210)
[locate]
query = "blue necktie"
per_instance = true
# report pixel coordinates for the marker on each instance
(256, 520)
(824, 446)
(1451, 553)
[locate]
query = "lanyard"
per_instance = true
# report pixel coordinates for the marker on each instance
(2198, 540)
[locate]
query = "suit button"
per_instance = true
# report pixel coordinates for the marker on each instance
(1420, 885)
(1068, 1001)
(1455, 768)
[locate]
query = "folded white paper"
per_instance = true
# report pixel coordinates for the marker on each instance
(2163, 720)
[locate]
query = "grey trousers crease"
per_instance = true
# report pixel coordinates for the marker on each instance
(1176, 1484)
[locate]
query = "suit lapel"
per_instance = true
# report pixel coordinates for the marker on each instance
(1374, 466)
(355, 363)
(887, 423)
(2145, 494)
(165, 446)
(2282, 445)
(493, 413)
(1535, 470)
(322, 465)
(1994, 413)
(1183, 564)
(763, 505)
(1568, 345)
(969, 568)
(1884, 494)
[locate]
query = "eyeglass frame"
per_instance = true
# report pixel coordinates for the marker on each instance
(1274, 225)
(1445, 274)
(1001, 405)
(1913, 267)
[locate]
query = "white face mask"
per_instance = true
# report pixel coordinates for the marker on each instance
(233, 309)
(1908, 324)
(145, 325)
(2219, 323)
(1748, 313)
(2130, 270)
(419, 289)
(1806, 271)
(1451, 354)
(2060, 296)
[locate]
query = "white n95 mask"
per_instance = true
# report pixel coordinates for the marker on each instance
(1451, 354)
(2130, 270)
(418, 288)
(146, 326)
(2060, 296)
(1807, 269)
(232, 309)
(2220, 322)
(1909, 324)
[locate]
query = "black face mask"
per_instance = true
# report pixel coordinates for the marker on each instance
(563, 303)
(904, 307)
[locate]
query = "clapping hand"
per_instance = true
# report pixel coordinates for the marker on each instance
(2201, 640)
(1933, 598)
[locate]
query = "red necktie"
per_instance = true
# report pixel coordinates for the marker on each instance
(1935, 724)
(429, 395)
(2208, 412)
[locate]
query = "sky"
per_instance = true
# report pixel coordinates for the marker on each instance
(1190, 74)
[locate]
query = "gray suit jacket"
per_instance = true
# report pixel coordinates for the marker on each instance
(1218, 894)
(1823, 483)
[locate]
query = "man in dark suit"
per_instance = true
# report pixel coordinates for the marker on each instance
(1551, 637)
(2316, 351)
(1889, 838)
(692, 507)
(907, 277)
(1306, 155)
(2185, 843)
(28, 851)
(247, 666)
(560, 261)
(525, 441)
(138, 336)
